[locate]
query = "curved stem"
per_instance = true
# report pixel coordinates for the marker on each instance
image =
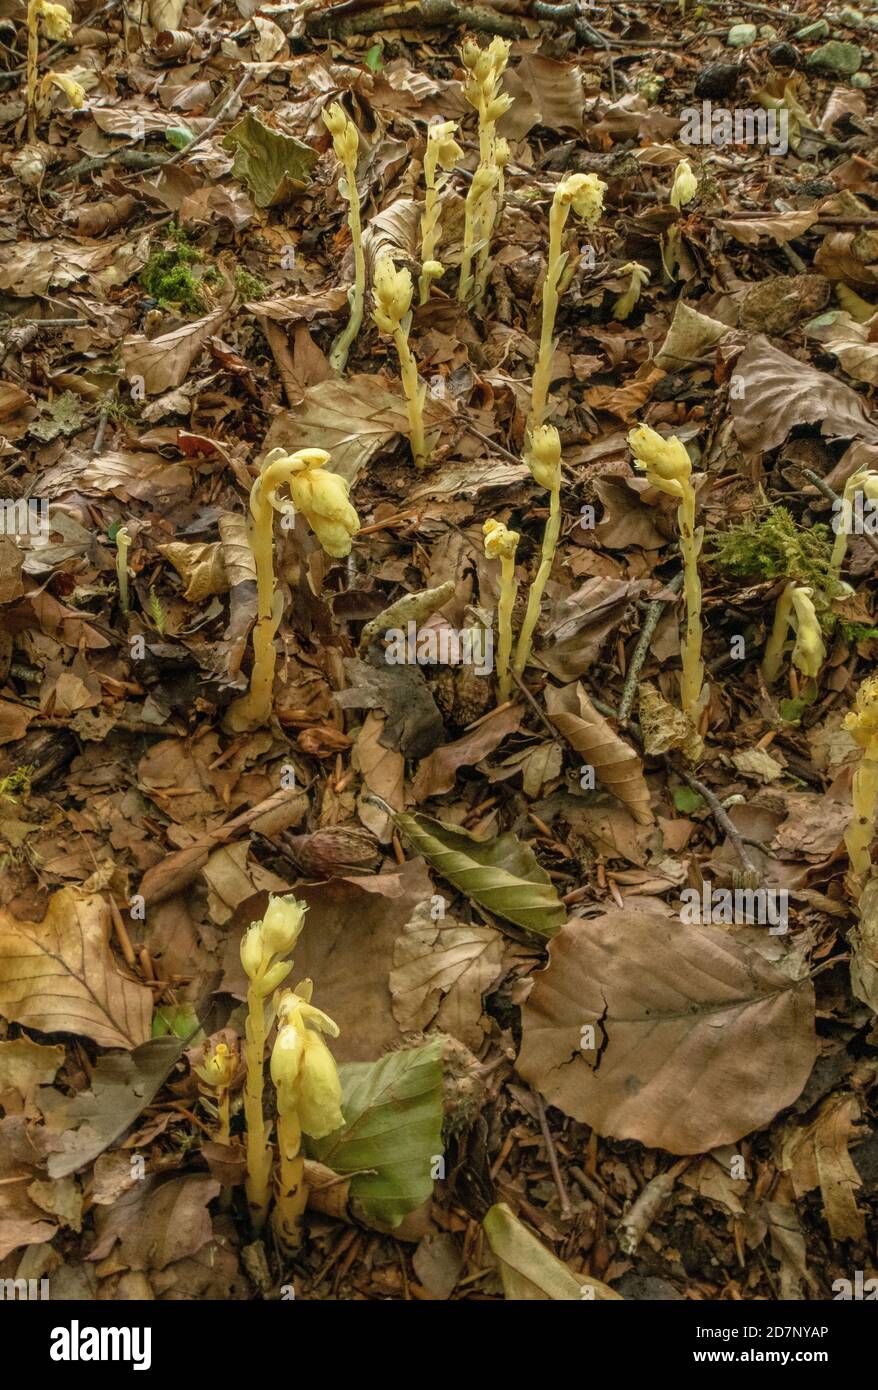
(253, 710)
(338, 356)
(534, 598)
(414, 396)
(693, 693)
(504, 624)
(543, 370)
(258, 1148)
(772, 657)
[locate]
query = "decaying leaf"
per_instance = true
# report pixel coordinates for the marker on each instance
(441, 971)
(817, 1155)
(529, 1271)
(674, 1035)
(59, 975)
(275, 167)
(616, 765)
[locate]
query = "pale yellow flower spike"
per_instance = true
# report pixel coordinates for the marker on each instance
(308, 1100)
(346, 143)
(322, 498)
(544, 460)
(584, 193)
(392, 295)
(669, 469)
(217, 1073)
(263, 950)
(795, 608)
(866, 482)
(123, 545)
(442, 153)
(485, 68)
(862, 725)
(73, 90)
(685, 185)
(500, 543)
(56, 22)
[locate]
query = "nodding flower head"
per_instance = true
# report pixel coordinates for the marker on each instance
(809, 651)
(392, 294)
(585, 194)
(345, 139)
(543, 457)
(442, 146)
(500, 542)
(862, 722)
(685, 185)
(57, 21)
(303, 1069)
(665, 461)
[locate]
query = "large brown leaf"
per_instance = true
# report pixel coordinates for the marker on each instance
(776, 392)
(697, 1039)
(59, 975)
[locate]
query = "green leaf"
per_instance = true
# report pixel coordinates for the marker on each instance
(181, 1020)
(374, 58)
(275, 167)
(529, 1271)
(687, 800)
(393, 1126)
(501, 875)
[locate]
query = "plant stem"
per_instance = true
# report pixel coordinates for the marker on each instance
(292, 1192)
(772, 657)
(554, 269)
(414, 393)
(258, 1179)
(861, 830)
(693, 694)
(504, 624)
(534, 598)
(33, 54)
(253, 710)
(338, 355)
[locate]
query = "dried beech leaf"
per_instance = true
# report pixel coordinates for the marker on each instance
(818, 1156)
(59, 975)
(697, 1039)
(529, 1271)
(616, 765)
(501, 875)
(777, 392)
(441, 972)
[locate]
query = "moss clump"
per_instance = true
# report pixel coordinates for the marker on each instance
(775, 547)
(250, 286)
(175, 274)
(16, 784)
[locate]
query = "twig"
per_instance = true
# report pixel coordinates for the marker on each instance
(339, 22)
(492, 443)
(650, 622)
(532, 702)
(720, 815)
(208, 129)
(566, 1209)
(823, 487)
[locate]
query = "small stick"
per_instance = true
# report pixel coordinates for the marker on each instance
(650, 622)
(720, 814)
(566, 1209)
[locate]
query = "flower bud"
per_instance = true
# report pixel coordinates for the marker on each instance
(501, 153)
(73, 90)
(218, 1068)
(585, 194)
(392, 294)
(275, 976)
(322, 497)
(685, 185)
(543, 457)
(442, 148)
(319, 1090)
(809, 651)
(862, 721)
(498, 540)
(665, 461)
(433, 268)
(55, 19)
(252, 950)
(282, 924)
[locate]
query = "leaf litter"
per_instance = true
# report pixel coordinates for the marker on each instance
(574, 1057)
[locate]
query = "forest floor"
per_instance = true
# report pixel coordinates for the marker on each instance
(604, 978)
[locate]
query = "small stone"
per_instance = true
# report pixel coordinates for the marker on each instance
(835, 56)
(860, 79)
(767, 31)
(741, 35)
(818, 30)
(717, 80)
(784, 55)
(852, 18)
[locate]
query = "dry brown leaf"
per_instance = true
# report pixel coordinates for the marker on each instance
(441, 971)
(777, 392)
(59, 975)
(438, 773)
(818, 1155)
(164, 362)
(696, 1042)
(786, 226)
(383, 772)
(616, 765)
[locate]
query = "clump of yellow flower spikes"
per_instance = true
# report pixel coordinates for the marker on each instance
(392, 294)
(500, 543)
(56, 23)
(544, 460)
(629, 297)
(794, 608)
(862, 724)
(668, 468)
(865, 481)
(442, 153)
(322, 498)
(346, 143)
(584, 193)
(264, 951)
(484, 72)
(308, 1100)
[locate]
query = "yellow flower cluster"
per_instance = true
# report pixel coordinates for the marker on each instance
(302, 1067)
(320, 495)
